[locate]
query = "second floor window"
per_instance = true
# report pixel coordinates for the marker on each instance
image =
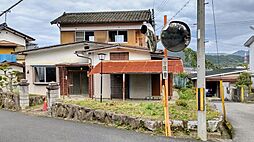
(83, 35)
(118, 36)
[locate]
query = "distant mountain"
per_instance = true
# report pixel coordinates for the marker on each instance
(215, 54)
(225, 60)
(240, 53)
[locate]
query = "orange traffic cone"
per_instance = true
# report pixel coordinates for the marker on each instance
(45, 105)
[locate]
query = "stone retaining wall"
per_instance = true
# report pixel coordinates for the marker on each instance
(78, 113)
(36, 100)
(9, 101)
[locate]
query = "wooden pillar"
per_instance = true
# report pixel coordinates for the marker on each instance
(170, 85)
(124, 87)
(161, 83)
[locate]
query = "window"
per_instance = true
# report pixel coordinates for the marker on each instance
(79, 36)
(89, 36)
(44, 74)
(82, 35)
(118, 36)
(119, 56)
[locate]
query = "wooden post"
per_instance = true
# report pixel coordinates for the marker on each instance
(166, 91)
(123, 87)
(222, 100)
(242, 94)
(161, 80)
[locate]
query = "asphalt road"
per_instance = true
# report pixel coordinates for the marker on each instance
(18, 127)
(241, 116)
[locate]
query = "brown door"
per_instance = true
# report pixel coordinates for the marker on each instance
(117, 86)
(155, 85)
(78, 83)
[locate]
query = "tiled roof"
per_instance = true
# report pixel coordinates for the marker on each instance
(4, 26)
(219, 72)
(104, 17)
(249, 41)
(98, 46)
(132, 67)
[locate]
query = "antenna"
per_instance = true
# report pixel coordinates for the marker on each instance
(9, 10)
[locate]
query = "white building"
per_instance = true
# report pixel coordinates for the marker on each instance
(250, 44)
(138, 74)
(12, 40)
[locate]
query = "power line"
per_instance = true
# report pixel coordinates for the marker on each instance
(230, 22)
(222, 42)
(179, 11)
(215, 34)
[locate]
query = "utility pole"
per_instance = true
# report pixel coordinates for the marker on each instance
(201, 96)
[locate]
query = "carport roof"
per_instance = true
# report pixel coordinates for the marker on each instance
(136, 67)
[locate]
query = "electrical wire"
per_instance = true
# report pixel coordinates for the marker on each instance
(178, 12)
(230, 22)
(215, 34)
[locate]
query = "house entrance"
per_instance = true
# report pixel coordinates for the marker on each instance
(117, 86)
(77, 81)
(156, 85)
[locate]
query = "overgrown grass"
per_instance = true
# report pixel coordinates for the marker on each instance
(31, 95)
(187, 94)
(147, 109)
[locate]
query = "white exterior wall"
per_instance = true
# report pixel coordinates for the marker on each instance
(8, 36)
(140, 86)
(251, 57)
(106, 92)
(50, 57)
(56, 56)
(133, 55)
(251, 60)
(226, 87)
(65, 54)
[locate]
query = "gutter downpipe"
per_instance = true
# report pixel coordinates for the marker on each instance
(90, 59)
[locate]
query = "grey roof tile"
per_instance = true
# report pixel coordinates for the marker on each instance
(104, 17)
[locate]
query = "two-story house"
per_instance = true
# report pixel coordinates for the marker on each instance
(12, 40)
(128, 69)
(107, 27)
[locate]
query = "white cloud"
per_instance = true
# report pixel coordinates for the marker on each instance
(33, 17)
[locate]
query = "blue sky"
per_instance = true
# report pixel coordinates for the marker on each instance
(233, 18)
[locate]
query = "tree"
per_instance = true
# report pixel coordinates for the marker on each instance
(244, 79)
(9, 77)
(190, 57)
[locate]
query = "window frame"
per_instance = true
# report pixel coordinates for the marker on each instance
(84, 35)
(45, 74)
(117, 35)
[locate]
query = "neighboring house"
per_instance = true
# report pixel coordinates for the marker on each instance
(12, 40)
(129, 68)
(228, 76)
(250, 44)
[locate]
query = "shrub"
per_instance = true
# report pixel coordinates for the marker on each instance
(187, 94)
(182, 103)
(244, 79)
